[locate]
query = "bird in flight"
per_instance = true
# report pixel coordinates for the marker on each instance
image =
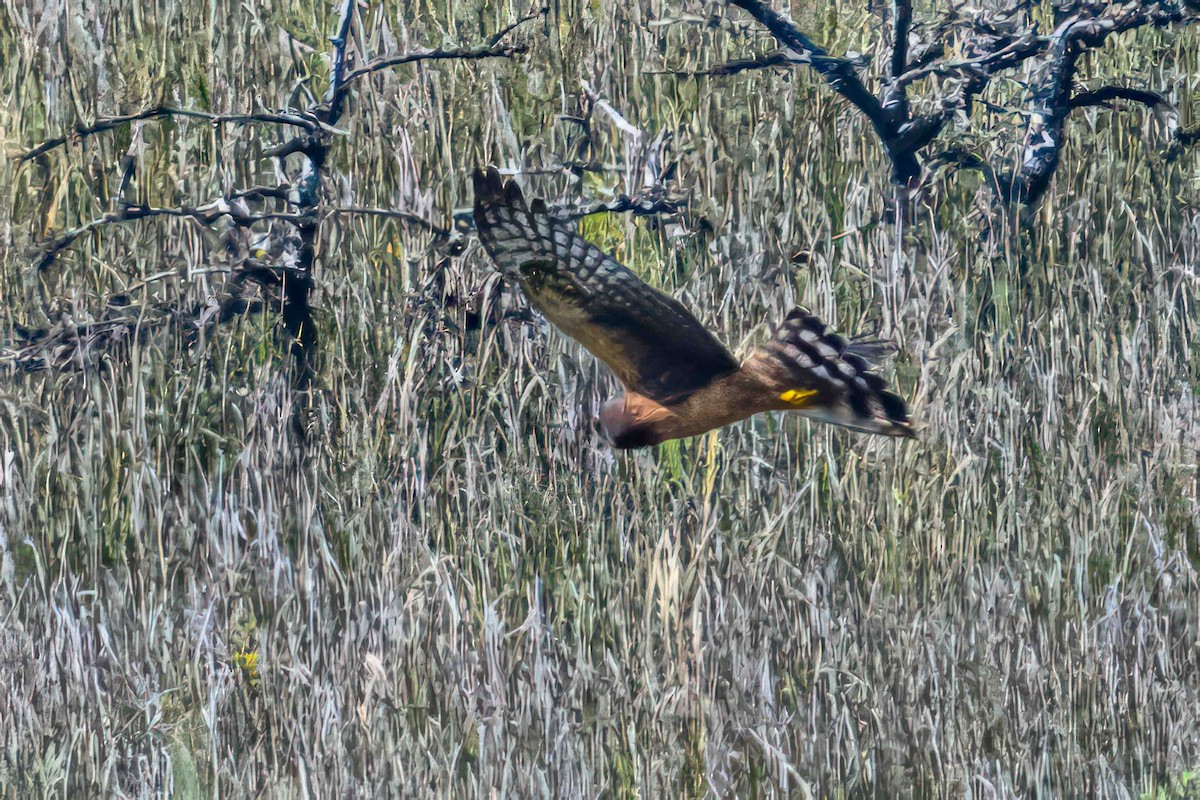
(679, 379)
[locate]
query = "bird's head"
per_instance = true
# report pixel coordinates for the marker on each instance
(633, 421)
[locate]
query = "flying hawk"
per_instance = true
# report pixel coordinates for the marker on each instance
(679, 380)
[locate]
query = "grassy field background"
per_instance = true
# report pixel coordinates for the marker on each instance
(455, 588)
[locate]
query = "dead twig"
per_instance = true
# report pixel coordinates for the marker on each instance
(456, 54)
(403, 216)
(205, 215)
(777, 58)
(1105, 95)
(71, 345)
(101, 124)
(499, 35)
(639, 206)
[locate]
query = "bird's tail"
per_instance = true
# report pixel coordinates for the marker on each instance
(825, 377)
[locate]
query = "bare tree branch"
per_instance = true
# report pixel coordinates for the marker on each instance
(287, 284)
(901, 25)
(1180, 137)
(987, 63)
(1105, 95)
(889, 123)
(1187, 136)
(618, 119)
(297, 285)
(499, 35)
(68, 344)
(1051, 102)
(336, 92)
(458, 54)
(259, 192)
(996, 41)
(895, 101)
(88, 345)
(840, 74)
(639, 206)
(108, 123)
(777, 58)
(298, 144)
(205, 215)
(317, 125)
(404, 216)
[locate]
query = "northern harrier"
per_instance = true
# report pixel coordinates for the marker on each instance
(679, 380)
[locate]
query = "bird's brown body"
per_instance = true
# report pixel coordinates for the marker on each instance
(679, 379)
(725, 401)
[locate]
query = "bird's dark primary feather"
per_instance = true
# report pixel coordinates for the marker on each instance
(655, 346)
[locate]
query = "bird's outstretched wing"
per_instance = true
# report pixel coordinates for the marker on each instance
(653, 344)
(824, 376)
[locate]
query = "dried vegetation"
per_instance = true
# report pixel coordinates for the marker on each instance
(441, 582)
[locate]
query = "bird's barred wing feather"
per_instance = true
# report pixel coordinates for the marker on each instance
(822, 375)
(655, 346)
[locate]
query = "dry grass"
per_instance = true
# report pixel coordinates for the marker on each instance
(457, 590)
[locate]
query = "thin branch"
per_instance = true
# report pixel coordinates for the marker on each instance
(934, 39)
(83, 345)
(895, 101)
(207, 216)
(842, 77)
(340, 80)
(203, 215)
(512, 26)
(901, 25)
(1180, 137)
(1187, 136)
(265, 275)
(639, 206)
(929, 54)
(259, 192)
(337, 75)
(776, 59)
(108, 123)
(404, 216)
(1011, 54)
(623, 125)
(461, 54)
(838, 72)
(1105, 95)
(298, 144)
(574, 167)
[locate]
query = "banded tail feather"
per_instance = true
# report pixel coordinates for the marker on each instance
(828, 378)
